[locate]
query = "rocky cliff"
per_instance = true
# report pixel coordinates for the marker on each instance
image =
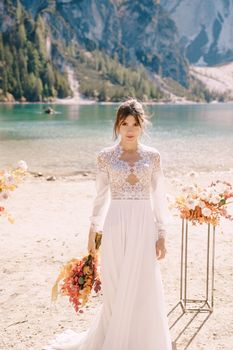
(136, 32)
(205, 29)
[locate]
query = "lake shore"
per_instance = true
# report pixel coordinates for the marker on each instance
(91, 102)
(51, 227)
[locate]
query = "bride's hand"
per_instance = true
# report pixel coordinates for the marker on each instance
(91, 242)
(160, 248)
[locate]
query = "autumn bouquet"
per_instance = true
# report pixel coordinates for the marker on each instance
(205, 205)
(78, 277)
(9, 180)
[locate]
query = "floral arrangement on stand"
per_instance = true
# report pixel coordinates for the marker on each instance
(78, 277)
(205, 205)
(9, 180)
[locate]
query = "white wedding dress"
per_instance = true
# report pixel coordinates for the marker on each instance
(131, 209)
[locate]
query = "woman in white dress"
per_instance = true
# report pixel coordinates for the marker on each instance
(131, 210)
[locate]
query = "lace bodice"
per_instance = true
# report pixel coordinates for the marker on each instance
(117, 178)
(127, 180)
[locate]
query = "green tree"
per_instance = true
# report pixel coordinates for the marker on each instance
(38, 91)
(21, 37)
(40, 36)
(34, 62)
(1, 48)
(18, 11)
(49, 77)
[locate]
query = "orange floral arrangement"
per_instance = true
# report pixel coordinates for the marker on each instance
(205, 205)
(78, 277)
(9, 180)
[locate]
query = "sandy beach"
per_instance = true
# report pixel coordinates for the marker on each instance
(51, 227)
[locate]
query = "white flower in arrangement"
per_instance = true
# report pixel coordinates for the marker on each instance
(211, 191)
(227, 190)
(9, 178)
(191, 204)
(190, 189)
(206, 212)
(215, 199)
(203, 195)
(22, 165)
(221, 188)
(209, 195)
(201, 204)
(184, 189)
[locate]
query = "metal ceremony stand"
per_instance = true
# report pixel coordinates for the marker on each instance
(205, 305)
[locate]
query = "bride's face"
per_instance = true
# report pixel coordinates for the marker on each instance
(129, 129)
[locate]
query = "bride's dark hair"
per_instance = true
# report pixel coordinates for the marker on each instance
(130, 107)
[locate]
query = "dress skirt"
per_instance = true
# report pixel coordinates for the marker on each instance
(133, 314)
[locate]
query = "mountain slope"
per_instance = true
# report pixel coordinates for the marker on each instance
(115, 48)
(27, 70)
(137, 32)
(217, 79)
(151, 38)
(205, 29)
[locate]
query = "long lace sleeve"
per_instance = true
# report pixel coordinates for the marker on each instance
(102, 197)
(158, 197)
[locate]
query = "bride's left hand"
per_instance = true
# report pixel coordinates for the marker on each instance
(160, 248)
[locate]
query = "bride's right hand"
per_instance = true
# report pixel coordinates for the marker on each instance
(160, 248)
(91, 242)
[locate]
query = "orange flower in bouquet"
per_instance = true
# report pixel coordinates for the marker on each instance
(78, 277)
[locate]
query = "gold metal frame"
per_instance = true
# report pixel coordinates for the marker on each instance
(207, 304)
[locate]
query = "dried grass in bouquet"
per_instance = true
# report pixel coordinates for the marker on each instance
(78, 277)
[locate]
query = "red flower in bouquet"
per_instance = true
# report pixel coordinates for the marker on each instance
(78, 277)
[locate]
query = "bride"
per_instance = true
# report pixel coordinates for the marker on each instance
(131, 210)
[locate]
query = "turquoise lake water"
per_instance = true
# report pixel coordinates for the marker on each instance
(189, 137)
